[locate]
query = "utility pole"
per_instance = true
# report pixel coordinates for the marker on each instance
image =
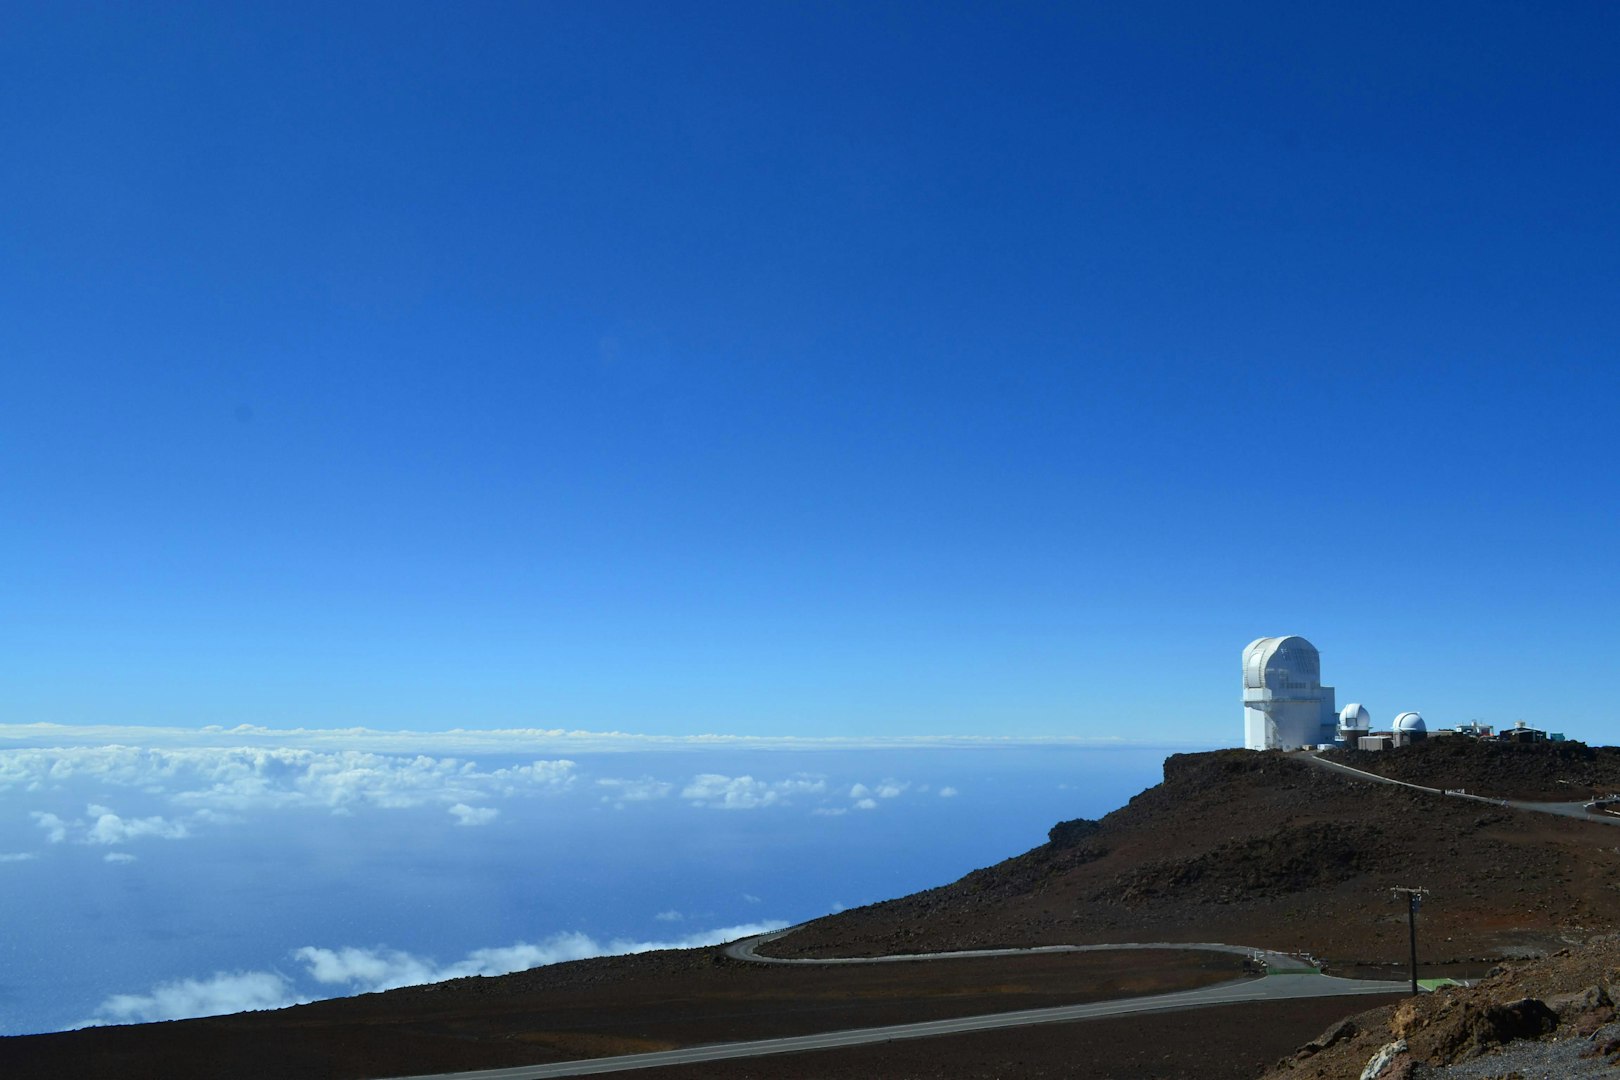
(1414, 900)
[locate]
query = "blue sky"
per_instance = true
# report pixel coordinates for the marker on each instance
(795, 370)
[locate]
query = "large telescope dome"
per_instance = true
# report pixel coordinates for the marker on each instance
(1285, 705)
(1281, 663)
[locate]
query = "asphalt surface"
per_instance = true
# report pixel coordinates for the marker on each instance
(1276, 963)
(1289, 978)
(1561, 809)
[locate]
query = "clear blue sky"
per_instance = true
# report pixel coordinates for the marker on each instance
(810, 369)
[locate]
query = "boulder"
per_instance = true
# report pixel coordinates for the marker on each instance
(1390, 1056)
(1333, 1036)
(1475, 1030)
(1407, 1018)
(1585, 1012)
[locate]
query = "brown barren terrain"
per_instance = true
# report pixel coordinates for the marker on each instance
(1263, 849)
(594, 1008)
(1234, 1042)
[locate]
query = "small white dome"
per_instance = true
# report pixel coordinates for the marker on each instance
(1410, 722)
(1354, 718)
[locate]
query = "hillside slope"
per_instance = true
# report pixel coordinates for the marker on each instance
(1260, 848)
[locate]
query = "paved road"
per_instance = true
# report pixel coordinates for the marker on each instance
(1562, 809)
(1276, 963)
(1290, 979)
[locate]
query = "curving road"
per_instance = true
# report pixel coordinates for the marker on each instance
(1276, 963)
(1289, 978)
(1561, 809)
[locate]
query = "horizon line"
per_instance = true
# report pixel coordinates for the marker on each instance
(511, 740)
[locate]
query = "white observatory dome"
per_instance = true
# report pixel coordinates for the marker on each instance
(1355, 718)
(1281, 664)
(1411, 723)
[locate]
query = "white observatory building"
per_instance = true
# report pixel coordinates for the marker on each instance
(1354, 724)
(1409, 728)
(1285, 705)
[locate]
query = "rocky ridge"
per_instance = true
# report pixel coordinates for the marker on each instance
(1553, 1016)
(1554, 772)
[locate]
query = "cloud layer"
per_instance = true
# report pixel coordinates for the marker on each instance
(353, 970)
(720, 792)
(240, 778)
(223, 992)
(206, 786)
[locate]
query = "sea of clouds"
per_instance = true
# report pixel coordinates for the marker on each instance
(154, 874)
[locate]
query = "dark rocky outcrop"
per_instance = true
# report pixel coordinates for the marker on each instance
(1067, 834)
(1291, 859)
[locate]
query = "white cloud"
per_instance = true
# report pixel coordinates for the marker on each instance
(750, 898)
(361, 971)
(700, 939)
(352, 970)
(216, 785)
(364, 969)
(224, 992)
(866, 797)
(242, 779)
(118, 857)
(644, 789)
(474, 815)
(109, 828)
(55, 828)
(745, 793)
(887, 789)
(669, 916)
(17, 856)
(948, 793)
